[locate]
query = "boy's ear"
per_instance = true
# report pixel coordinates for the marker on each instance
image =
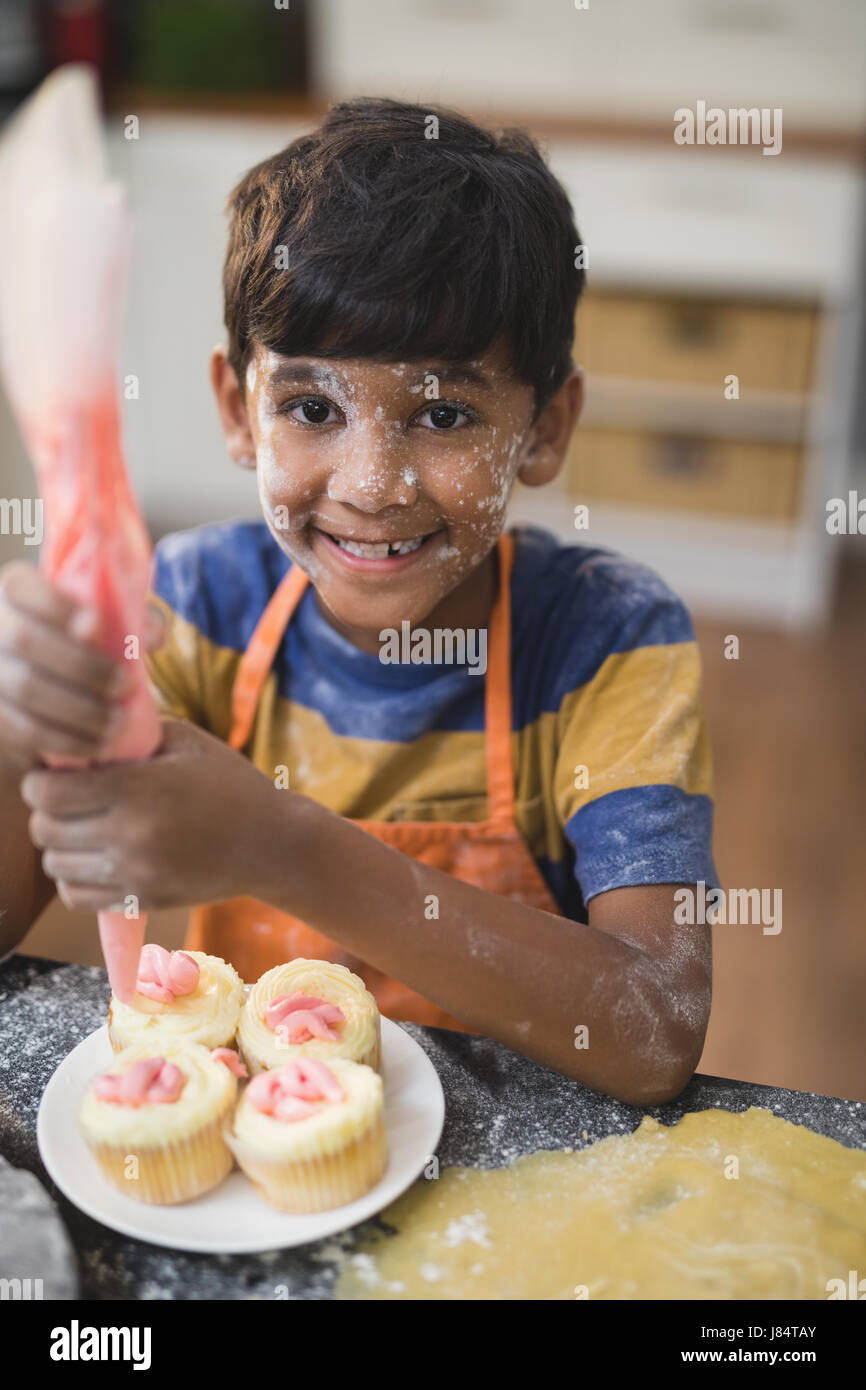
(232, 410)
(551, 433)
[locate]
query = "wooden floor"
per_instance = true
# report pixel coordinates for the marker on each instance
(788, 723)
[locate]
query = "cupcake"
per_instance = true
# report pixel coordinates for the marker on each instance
(184, 995)
(155, 1120)
(309, 1008)
(311, 1136)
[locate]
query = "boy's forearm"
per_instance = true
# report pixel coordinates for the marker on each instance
(526, 977)
(24, 890)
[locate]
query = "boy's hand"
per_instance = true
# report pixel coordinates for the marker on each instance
(195, 823)
(59, 695)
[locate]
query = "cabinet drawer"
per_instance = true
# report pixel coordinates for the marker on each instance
(723, 477)
(662, 338)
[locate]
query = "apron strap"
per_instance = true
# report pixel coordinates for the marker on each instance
(261, 651)
(497, 696)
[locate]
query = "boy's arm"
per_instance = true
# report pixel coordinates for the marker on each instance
(639, 984)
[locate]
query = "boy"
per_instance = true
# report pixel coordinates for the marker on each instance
(496, 851)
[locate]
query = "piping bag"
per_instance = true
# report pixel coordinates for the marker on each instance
(65, 239)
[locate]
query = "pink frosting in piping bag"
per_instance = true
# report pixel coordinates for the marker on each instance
(165, 975)
(59, 332)
(295, 1091)
(150, 1081)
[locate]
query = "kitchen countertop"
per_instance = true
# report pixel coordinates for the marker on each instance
(499, 1106)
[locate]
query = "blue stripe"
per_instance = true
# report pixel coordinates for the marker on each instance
(219, 578)
(655, 834)
(572, 607)
(360, 697)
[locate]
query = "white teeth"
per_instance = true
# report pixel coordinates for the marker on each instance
(367, 552)
(380, 550)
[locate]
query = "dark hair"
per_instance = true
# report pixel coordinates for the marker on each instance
(397, 245)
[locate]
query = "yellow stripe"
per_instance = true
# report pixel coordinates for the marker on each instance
(638, 722)
(191, 676)
(437, 775)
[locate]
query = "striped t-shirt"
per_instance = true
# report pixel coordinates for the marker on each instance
(611, 754)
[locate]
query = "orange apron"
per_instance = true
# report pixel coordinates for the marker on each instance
(490, 854)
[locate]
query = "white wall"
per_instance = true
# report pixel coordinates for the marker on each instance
(621, 58)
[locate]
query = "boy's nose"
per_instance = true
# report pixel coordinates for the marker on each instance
(372, 477)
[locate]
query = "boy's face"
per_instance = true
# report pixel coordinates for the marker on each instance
(386, 482)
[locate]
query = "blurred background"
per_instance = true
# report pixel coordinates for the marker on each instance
(703, 261)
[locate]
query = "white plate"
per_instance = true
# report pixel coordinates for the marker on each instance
(233, 1218)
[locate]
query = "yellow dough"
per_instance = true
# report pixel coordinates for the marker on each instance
(643, 1215)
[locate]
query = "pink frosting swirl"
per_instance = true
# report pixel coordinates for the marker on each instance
(164, 975)
(150, 1081)
(231, 1060)
(295, 1091)
(295, 1018)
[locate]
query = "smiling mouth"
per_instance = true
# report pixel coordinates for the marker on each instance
(379, 550)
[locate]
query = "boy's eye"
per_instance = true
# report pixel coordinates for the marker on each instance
(444, 416)
(313, 411)
(316, 410)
